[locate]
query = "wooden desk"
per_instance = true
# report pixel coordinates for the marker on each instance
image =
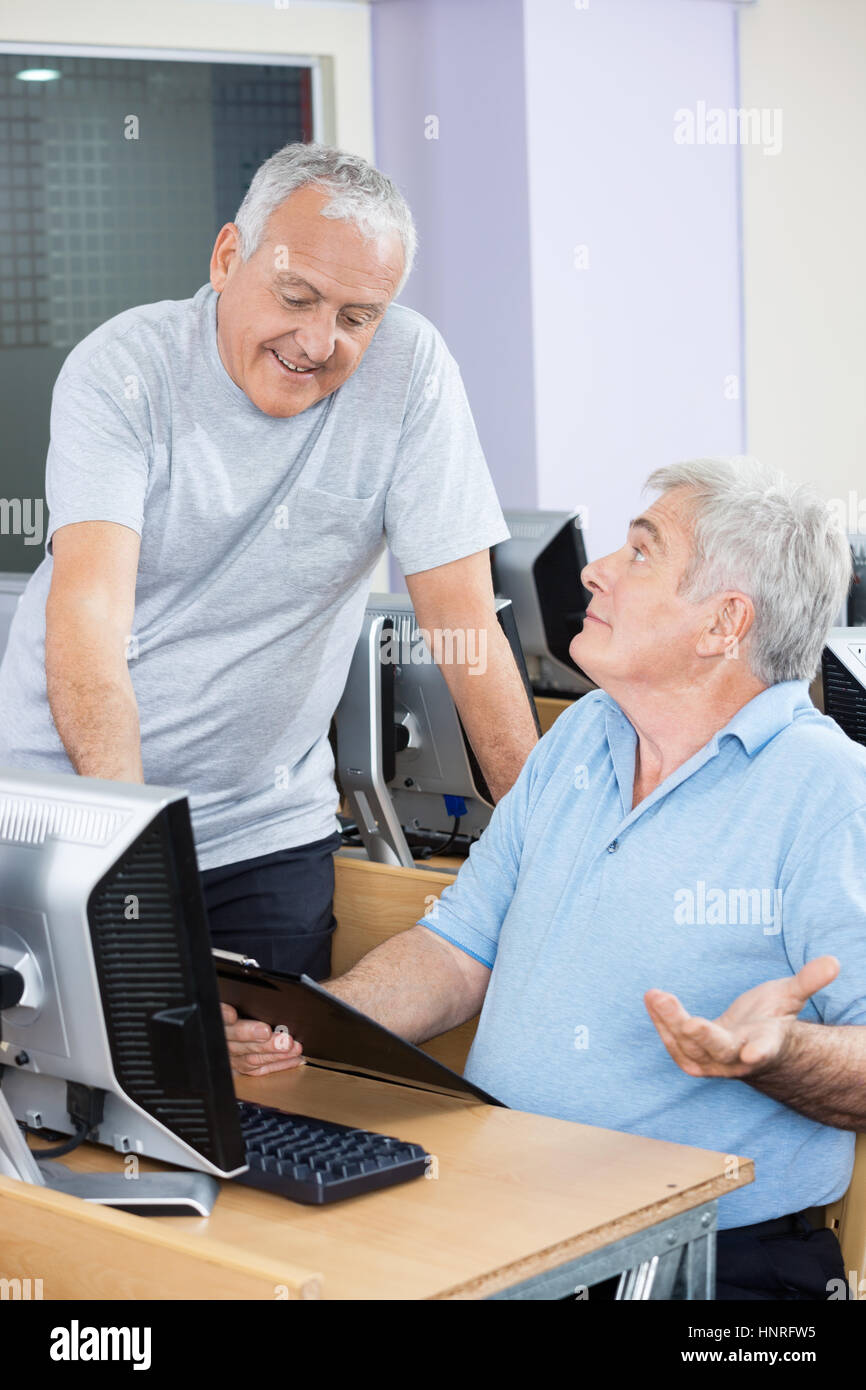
(517, 1201)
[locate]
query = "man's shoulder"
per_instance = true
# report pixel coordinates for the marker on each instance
(829, 766)
(583, 725)
(137, 335)
(408, 334)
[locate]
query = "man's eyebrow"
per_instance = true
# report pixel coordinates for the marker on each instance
(292, 281)
(645, 523)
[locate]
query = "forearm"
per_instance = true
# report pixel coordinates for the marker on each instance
(494, 707)
(820, 1072)
(413, 985)
(92, 701)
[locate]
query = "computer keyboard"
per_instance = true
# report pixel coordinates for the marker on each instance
(317, 1161)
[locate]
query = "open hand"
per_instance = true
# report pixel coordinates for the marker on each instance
(753, 1032)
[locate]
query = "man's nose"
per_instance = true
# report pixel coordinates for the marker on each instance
(593, 576)
(316, 338)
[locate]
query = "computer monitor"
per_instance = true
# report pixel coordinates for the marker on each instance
(539, 569)
(404, 763)
(843, 677)
(118, 1030)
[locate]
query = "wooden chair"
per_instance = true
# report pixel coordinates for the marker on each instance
(847, 1218)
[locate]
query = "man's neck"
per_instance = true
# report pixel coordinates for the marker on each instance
(673, 724)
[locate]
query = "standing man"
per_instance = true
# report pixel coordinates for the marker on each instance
(223, 475)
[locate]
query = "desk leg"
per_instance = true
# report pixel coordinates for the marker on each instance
(687, 1273)
(674, 1260)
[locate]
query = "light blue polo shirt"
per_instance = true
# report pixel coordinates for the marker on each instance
(746, 862)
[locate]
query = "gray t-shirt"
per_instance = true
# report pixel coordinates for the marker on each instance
(258, 540)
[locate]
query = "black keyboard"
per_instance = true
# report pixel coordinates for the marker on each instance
(318, 1161)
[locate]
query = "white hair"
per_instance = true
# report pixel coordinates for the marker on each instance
(781, 545)
(359, 194)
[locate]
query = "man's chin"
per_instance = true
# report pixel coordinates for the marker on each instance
(584, 653)
(283, 407)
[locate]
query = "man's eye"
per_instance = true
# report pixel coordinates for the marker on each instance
(356, 323)
(638, 554)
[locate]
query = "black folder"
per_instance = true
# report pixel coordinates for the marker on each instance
(331, 1032)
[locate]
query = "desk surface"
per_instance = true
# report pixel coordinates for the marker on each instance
(515, 1195)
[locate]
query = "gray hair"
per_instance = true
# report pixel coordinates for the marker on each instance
(781, 545)
(360, 194)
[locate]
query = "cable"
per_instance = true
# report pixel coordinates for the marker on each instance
(62, 1149)
(443, 849)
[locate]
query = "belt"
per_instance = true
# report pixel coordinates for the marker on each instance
(781, 1226)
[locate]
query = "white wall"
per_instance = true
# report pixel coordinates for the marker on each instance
(805, 241)
(633, 355)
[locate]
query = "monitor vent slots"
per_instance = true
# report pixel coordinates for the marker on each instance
(133, 916)
(844, 698)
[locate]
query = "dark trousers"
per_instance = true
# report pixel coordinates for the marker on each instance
(785, 1259)
(277, 908)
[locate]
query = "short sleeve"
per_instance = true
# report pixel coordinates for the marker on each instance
(441, 504)
(97, 467)
(824, 913)
(470, 911)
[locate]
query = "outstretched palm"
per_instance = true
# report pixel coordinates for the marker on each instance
(750, 1034)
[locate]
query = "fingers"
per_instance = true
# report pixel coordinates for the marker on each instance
(255, 1049)
(698, 1047)
(260, 1064)
(815, 974)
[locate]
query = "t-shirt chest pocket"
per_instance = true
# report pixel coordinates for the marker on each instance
(330, 538)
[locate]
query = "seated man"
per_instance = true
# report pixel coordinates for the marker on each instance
(664, 925)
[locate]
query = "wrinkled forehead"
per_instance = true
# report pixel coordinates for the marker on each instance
(668, 524)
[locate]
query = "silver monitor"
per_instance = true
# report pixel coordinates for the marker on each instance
(404, 763)
(539, 569)
(117, 1031)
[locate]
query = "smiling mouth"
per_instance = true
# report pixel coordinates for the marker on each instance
(291, 368)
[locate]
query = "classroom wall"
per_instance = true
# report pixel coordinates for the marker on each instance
(804, 219)
(635, 249)
(450, 128)
(555, 132)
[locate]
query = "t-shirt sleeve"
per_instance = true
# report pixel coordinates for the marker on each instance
(824, 913)
(441, 504)
(97, 467)
(471, 910)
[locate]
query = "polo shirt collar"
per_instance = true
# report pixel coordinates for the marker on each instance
(764, 716)
(767, 714)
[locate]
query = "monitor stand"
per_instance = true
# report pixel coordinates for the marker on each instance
(149, 1194)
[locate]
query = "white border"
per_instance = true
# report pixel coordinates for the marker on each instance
(185, 55)
(177, 55)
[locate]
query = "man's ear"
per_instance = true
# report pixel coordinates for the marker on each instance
(727, 626)
(225, 248)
